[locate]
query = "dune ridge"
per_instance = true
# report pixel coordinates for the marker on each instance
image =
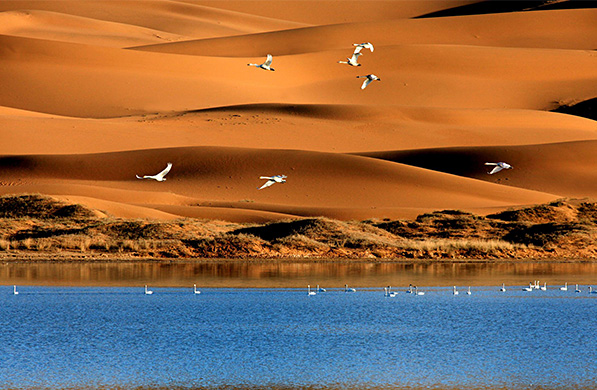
(94, 92)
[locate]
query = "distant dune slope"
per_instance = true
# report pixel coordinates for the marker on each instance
(565, 29)
(174, 17)
(568, 169)
(88, 81)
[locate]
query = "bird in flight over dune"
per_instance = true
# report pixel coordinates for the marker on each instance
(273, 179)
(498, 166)
(369, 78)
(352, 61)
(159, 176)
(266, 65)
(361, 46)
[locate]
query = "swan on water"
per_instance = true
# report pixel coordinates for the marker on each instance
(469, 291)
(503, 289)
(148, 292)
(347, 289)
(266, 65)
(368, 79)
(410, 289)
(272, 179)
(14, 290)
(159, 176)
(544, 287)
(309, 292)
(320, 289)
(565, 288)
(417, 292)
(530, 288)
(576, 289)
(498, 167)
(195, 289)
(361, 46)
(454, 292)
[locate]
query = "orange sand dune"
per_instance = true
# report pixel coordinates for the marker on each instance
(332, 12)
(194, 21)
(87, 81)
(67, 28)
(568, 169)
(337, 128)
(212, 175)
(94, 92)
(562, 29)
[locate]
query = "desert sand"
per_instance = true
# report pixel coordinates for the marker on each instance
(93, 93)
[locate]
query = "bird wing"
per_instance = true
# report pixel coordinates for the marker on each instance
(495, 170)
(269, 60)
(267, 184)
(165, 171)
(266, 177)
(369, 46)
(357, 49)
(139, 177)
(488, 163)
(365, 83)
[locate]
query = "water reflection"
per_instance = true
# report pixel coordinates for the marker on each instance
(293, 274)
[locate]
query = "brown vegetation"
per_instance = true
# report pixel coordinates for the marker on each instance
(44, 227)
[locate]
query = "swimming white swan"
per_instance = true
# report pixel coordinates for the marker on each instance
(591, 290)
(14, 290)
(347, 289)
(320, 289)
(266, 65)
(576, 289)
(352, 61)
(148, 292)
(361, 46)
(454, 291)
(417, 292)
(544, 287)
(368, 79)
(410, 289)
(530, 288)
(309, 292)
(565, 288)
(389, 292)
(195, 289)
(159, 176)
(272, 179)
(503, 289)
(498, 167)
(469, 291)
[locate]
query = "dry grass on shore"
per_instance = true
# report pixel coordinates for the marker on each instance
(42, 225)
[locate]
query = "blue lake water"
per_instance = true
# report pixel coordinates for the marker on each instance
(115, 337)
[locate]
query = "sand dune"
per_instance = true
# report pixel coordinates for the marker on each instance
(131, 82)
(568, 169)
(94, 92)
(570, 29)
(229, 176)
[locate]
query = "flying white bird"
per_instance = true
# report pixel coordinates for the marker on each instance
(266, 65)
(498, 167)
(273, 179)
(361, 46)
(369, 78)
(159, 176)
(352, 61)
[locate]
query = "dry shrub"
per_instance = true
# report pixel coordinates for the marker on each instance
(4, 245)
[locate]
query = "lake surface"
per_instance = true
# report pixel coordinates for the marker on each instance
(54, 337)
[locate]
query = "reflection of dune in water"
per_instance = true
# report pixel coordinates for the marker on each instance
(292, 274)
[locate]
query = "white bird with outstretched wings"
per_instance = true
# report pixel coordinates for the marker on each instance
(272, 180)
(498, 166)
(159, 176)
